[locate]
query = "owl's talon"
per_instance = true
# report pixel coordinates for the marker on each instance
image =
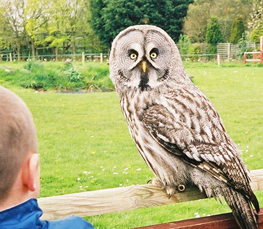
(170, 191)
(156, 182)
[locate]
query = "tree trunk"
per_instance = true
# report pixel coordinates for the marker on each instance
(73, 45)
(33, 51)
(56, 53)
(19, 52)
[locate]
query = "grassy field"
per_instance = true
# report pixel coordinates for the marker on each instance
(85, 145)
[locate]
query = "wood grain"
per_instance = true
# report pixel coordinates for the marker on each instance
(121, 199)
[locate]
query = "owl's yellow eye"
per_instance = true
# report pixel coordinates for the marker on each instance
(133, 56)
(154, 55)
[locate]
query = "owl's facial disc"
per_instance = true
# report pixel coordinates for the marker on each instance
(143, 60)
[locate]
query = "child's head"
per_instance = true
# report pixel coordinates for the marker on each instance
(17, 139)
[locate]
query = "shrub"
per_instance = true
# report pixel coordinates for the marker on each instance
(35, 75)
(62, 77)
(195, 49)
(184, 44)
(243, 45)
(96, 77)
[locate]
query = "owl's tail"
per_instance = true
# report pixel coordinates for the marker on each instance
(242, 209)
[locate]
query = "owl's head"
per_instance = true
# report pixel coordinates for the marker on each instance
(144, 57)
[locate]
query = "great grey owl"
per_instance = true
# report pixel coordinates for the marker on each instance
(175, 127)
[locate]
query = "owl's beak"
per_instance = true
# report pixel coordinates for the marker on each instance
(144, 66)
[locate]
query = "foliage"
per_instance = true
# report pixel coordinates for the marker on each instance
(85, 144)
(13, 24)
(184, 44)
(256, 23)
(211, 49)
(237, 29)
(200, 12)
(243, 45)
(213, 33)
(43, 24)
(60, 76)
(194, 49)
(196, 29)
(111, 16)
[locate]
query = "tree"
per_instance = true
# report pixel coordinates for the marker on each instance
(46, 25)
(195, 24)
(243, 45)
(37, 20)
(237, 29)
(109, 17)
(200, 12)
(256, 23)
(14, 24)
(68, 23)
(213, 33)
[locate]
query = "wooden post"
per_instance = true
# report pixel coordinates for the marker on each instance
(254, 57)
(218, 59)
(228, 51)
(10, 55)
(83, 58)
(101, 57)
(245, 58)
(261, 49)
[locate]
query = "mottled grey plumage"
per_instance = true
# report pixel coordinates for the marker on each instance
(175, 127)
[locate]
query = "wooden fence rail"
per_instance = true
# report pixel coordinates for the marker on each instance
(120, 199)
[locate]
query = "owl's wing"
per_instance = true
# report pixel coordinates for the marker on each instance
(211, 151)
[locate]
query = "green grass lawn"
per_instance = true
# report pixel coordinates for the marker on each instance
(85, 145)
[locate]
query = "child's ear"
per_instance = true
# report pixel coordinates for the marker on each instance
(30, 172)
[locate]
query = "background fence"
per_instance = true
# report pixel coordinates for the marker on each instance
(226, 52)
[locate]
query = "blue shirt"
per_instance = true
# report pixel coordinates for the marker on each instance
(27, 214)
